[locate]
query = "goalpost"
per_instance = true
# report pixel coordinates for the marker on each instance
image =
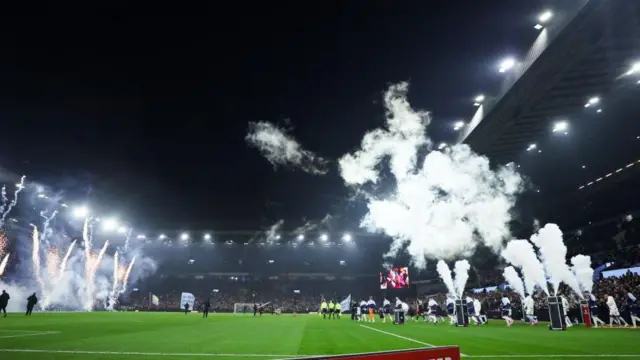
(242, 308)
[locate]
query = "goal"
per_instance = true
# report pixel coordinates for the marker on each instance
(242, 308)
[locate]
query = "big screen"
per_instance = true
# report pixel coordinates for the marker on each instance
(394, 278)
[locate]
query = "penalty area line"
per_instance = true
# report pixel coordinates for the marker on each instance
(138, 353)
(402, 337)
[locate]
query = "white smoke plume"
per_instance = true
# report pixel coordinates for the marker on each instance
(273, 233)
(282, 149)
(461, 269)
(513, 279)
(445, 275)
(441, 208)
(553, 253)
(583, 271)
(521, 254)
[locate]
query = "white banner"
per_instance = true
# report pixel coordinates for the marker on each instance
(187, 298)
(345, 305)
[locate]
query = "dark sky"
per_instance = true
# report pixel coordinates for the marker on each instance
(147, 108)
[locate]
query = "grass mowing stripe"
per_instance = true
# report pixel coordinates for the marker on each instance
(133, 353)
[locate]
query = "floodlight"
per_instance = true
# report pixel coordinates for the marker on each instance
(81, 211)
(545, 16)
(532, 147)
(300, 237)
(506, 65)
(478, 100)
(184, 236)
(442, 146)
(162, 236)
(324, 237)
(109, 224)
(635, 68)
(458, 125)
(560, 126)
(592, 101)
(207, 237)
(122, 230)
(141, 236)
(346, 237)
(538, 27)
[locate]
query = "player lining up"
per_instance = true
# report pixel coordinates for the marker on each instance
(614, 313)
(371, 306)
(432, 311)
(634, 311)
(403, 309)
(386, 310)
(506, 311)
(362, 311)
(451, 309)
(529, 309)
(477, 307)
(593, 307)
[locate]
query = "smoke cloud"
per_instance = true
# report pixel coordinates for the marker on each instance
(461, 269)
(583, 271)
(521, 254)
(441, 208)
(445, 275)
(553, 253)
(282, 149)
(513, 279)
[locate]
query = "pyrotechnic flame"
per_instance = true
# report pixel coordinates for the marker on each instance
(63, 264)
(126, 275)
(94, 263)
(114, 290)
(35, 258)
(3, 264)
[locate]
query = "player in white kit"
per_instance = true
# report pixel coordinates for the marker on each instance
(565, 308)
(529, 309)
(614, 313)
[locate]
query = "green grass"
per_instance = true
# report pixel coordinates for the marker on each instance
(176, 336)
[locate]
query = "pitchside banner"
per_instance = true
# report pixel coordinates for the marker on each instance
(435, 353)
(187, 298)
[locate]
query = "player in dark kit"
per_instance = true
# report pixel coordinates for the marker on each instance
(31, 302)
(255, 309)
(186, 308)
(4, 301)
(205, 308)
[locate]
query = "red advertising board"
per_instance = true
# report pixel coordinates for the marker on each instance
(435, 353)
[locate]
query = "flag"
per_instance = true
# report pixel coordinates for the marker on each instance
(345, 305)
(155, 300)
(187, 298)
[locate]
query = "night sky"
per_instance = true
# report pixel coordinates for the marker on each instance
(144, 110)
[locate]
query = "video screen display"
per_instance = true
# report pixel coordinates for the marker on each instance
(394, 278)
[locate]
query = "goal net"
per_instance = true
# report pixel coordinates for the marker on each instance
(242, 308)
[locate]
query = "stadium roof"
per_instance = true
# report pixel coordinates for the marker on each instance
(565, 115)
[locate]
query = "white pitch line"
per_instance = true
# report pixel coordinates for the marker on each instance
(133, 353)
(29, 334)
(403, 337)
(398, 336)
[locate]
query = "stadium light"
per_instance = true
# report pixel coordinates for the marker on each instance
(324, 237)
(162, 236)
(81, 211)
(532, 147)
(634, 69)
(442, 146)
(122, 230)
(346, 237)
(300, 237)
(141, 237)
(478, 100)
(545, 16)
(278, 237)
(458, 125)
(207, 237)
(506, 65)
(110, 224)
(184, 236)
(560, 126)
(271, 261)
(592, 101)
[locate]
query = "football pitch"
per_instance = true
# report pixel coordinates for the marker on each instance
(170, 336)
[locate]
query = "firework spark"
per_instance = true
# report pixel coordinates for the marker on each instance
(35, 258)
(114, 290)
(126, 275)
(63, 264)
(53, 262)
(3, 264)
